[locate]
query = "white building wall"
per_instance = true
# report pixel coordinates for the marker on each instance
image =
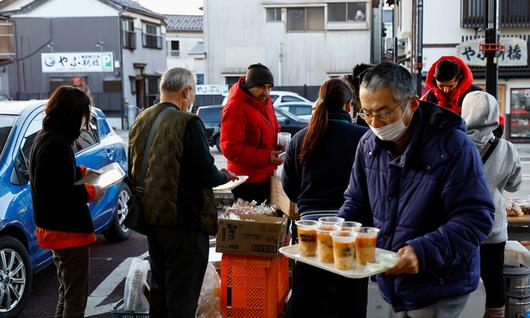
(187, 41)
(237, 34)
(154, 59)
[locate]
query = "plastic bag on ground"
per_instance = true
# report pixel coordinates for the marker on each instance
(134, 298)
(209, 301)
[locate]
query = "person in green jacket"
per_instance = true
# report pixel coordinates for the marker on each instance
(177, 192)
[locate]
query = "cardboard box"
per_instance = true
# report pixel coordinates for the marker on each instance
(253, 235)
(281, 200)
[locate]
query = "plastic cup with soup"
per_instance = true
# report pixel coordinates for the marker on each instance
(365, 243)
(350, 225)
(331, 220)
(343, 248)
(307, 237)
(325, 242)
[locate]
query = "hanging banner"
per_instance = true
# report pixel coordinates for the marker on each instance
(515, 54)
(77, 62)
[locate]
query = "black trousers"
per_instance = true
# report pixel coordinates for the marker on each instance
(178, 263)
(72, 273)
(258, 192)
(319, 293)
(491, 264)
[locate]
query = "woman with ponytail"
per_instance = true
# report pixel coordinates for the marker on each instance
(315, 175)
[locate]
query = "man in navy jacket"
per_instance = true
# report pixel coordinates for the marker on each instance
(419, 179)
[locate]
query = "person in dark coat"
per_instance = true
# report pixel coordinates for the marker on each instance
(420, 180)
(60, 206)
(315, 175)
(177, 193)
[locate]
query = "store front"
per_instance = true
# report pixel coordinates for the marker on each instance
(519, 127)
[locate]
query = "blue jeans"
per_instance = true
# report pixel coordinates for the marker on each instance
(450, 307)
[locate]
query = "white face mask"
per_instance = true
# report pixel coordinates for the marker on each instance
(393, 131)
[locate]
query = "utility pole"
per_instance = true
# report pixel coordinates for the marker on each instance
(419, 46)
(491, 45)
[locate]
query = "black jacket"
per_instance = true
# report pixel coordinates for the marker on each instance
(58, 204)
(321, 184)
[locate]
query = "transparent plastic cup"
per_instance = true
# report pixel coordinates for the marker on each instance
(350, 225)
(325, 242)
(330, 220)
(307, 237)
(284, 138)
(344, 248)
(365, 244)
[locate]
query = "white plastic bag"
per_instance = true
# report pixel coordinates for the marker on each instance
(209, 301)
(134, 298)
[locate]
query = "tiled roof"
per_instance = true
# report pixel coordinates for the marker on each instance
(135, 6)
(189, 23)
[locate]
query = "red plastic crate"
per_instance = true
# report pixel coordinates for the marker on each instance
(253, 286)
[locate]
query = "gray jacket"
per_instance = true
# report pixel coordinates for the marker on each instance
(480, 110)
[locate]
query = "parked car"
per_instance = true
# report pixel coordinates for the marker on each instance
(278, 97)
(303, 110)
(20, 121)
(211, 117)
(289, 122)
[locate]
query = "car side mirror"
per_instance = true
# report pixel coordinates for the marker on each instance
(20, 173)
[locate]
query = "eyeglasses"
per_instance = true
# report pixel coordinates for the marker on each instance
(382, 116)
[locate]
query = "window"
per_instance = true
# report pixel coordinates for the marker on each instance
(200, 79)
(152, 89)
(282, 119)
(174, 48)
(288, 98)
(520, 113)
(129, 35)
(298, 110)
(274, 14)
(151, 36)
(347, 12)
(512, 13)
(22, 159)
(305, 19)
(111, 86)
(229, 80)
(88, 137)
(6, 123)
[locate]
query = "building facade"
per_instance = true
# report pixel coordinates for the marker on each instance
(455, 27)
(117, 47)
(185, 44)
(302, 42)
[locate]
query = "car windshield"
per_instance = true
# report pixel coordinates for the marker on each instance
(6, 123)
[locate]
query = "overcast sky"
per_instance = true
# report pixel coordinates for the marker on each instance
(173, 6)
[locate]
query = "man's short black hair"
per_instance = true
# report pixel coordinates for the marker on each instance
(447, 70)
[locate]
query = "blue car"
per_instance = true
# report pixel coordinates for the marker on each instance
(20, 255)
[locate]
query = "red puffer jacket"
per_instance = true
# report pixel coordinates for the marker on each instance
(453, 102)
(248, 134)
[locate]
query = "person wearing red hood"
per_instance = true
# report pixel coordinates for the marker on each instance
(449, 80)
(249, 130)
